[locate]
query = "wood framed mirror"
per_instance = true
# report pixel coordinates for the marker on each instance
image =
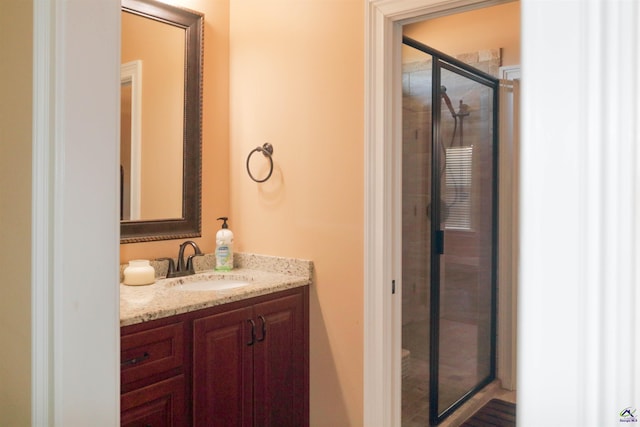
(161, 122)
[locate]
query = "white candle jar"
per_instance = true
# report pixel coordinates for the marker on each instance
(139, 272)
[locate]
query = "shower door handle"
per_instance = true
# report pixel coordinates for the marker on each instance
(439, 241)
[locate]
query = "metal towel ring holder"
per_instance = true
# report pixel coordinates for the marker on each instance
(267, 151)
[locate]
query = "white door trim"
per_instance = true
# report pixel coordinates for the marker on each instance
(508, 225)
(382, 257)
(75, 226)
(41, 220)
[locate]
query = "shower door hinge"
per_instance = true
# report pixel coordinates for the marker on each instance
(393, 286)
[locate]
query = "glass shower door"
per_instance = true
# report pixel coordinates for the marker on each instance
(463, 262)
(416, 234)
(448, 233)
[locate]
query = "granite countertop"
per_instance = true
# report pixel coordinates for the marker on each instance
(265, 274)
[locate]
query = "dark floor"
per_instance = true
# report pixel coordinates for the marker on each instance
(495, 413)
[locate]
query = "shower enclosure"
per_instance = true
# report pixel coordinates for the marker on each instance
(448, 233)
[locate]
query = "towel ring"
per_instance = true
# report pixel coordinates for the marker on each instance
(267, 151)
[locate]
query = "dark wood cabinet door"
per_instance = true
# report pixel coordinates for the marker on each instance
(158, 405)
(279, 363)
(241, 365)
(222, 369)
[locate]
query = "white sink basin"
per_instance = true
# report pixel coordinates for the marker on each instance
(212, 285)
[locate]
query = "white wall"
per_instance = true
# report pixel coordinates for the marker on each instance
(579, 288)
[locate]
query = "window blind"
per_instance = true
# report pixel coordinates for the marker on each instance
(458, 179)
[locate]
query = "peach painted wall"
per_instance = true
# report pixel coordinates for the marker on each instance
(16, 44)
(215, 133)
(297, 81)
(488, 28)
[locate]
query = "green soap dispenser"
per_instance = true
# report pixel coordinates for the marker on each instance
(224, 247)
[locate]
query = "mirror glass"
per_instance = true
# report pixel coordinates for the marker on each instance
(160, 121)
(155, 52)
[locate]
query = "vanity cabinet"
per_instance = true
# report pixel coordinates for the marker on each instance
(152, 376)
(243, 364)
(250, 365)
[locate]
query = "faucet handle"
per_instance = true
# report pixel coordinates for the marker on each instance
(171, 269)
(190, 266)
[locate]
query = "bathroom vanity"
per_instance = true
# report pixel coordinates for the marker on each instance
(236, 357)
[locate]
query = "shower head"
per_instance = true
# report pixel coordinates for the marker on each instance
(443, 94)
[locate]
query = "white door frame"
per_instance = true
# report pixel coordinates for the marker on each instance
(383, 172)
(508, 229)
(75, 219)
(579, 243)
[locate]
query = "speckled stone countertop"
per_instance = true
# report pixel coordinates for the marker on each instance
(265, 274)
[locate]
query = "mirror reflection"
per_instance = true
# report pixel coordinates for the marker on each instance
(156, 50)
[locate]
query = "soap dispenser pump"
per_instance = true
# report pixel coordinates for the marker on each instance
(224, 247)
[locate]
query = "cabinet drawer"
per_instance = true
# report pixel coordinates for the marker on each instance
(160, 404)
(151, 352)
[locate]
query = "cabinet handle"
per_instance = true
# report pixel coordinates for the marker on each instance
(253, 332)
(135, 360)
(264, 329)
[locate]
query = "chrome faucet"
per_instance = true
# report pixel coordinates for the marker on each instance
(183, 269)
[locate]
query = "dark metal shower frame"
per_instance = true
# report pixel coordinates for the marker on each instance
(444, 61)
